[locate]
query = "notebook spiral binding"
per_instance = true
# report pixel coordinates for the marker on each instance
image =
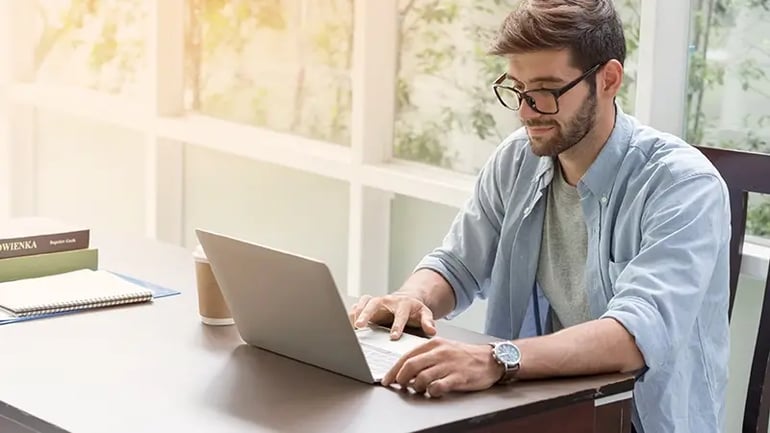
(105, 301)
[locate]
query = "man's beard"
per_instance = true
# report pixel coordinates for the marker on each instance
(565, 137)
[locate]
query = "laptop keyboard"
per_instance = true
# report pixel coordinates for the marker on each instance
(380, 360)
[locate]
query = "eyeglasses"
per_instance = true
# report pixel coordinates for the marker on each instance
(543, 101)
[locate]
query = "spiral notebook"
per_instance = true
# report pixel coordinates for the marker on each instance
(77, 290)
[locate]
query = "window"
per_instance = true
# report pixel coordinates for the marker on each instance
(417, 227)
(97, 44)
(447, 114)
(630, 14)
(758, 219)
(267, 204)
(284, 65)
(728, 95)
(268, 82)
(81, 165)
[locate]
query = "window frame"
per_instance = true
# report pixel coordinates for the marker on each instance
(368, 166)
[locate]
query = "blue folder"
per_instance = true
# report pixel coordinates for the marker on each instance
(157, 292)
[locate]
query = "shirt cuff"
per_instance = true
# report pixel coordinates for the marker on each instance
(646, 325)
(456, 275)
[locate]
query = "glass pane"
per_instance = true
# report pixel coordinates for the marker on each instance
(280, 64)
(447, 114)
(728, 95)
(416, 228)
(98, 44)
(758, 220)
(630, 14)
(90, 173)
(255, 196)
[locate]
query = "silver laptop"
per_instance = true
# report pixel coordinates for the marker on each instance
(290, 305)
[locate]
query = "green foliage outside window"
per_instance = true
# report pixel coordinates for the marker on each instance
(107, 37)
(429, 33)
(95, 44)
(280, 64)
(714, 22)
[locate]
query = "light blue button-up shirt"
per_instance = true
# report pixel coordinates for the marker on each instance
(658, 222)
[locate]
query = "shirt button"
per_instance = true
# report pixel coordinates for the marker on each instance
(604, 200)
(526, 210)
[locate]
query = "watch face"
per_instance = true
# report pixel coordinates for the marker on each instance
(508, 353)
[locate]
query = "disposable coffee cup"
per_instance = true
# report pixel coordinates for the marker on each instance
(211, 305)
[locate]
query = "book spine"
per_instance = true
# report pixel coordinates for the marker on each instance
(42, 244)
(17, 268)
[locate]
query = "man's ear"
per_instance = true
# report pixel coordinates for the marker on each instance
(610, 78)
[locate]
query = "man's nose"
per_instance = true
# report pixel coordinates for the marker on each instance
(527, 113)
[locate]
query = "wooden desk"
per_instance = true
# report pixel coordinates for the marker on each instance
(155, 368)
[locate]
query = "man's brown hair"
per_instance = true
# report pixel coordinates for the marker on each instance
(590, 29)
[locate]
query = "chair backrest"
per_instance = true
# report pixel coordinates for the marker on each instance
(746, 172)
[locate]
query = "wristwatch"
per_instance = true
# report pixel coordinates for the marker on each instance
(508, 355)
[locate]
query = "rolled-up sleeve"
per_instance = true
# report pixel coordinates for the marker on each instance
(658, 294)
(467, 253)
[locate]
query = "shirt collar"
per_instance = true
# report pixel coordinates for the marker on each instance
(600, 175)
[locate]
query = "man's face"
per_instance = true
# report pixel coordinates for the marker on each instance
(552, 134)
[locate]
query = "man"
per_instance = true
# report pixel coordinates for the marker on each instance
(622, 229)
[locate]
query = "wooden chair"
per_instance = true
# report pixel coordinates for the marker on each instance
(746, 172)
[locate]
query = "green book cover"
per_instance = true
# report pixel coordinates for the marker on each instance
(40, 265)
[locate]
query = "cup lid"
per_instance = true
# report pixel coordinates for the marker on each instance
(199, 254)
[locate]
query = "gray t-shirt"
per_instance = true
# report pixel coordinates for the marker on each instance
(560, 270)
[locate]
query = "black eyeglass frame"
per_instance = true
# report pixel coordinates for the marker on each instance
(525, 96)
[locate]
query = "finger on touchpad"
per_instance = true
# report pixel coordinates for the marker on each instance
(380, 336)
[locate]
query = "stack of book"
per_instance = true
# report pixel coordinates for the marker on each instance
(36, 247)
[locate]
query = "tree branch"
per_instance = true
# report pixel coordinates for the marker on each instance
(707, 33)
(48, 39)
(407, 9)
(760, 91)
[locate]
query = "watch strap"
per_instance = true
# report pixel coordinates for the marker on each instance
(509, 375)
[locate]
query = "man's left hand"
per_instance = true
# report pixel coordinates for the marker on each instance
(440, 366)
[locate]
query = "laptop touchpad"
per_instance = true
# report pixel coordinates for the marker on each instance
(380, 337)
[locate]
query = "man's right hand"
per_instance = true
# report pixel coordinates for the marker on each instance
(397, 310)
